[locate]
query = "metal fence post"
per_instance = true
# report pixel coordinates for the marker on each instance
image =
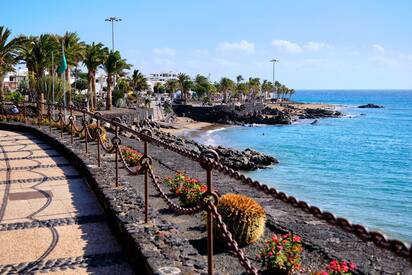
(98, 139)
(206, 157)
(117, 155)
(85, 129)
(50, 118)
(24, 113)
(146, 191)
(210, 263)
(71, 118)
(61, 121)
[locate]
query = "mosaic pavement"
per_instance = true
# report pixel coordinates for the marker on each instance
(50, 220)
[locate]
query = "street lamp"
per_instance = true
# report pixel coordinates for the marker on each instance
(274, 62)
(113, 19)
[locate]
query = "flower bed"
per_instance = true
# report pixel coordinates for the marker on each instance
(281, 254)
(187, 189)
(336, 267)
(131, 156)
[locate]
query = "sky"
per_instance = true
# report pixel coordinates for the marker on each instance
(351, 44)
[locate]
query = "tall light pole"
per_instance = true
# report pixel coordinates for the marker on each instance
(113, 19)
(274, 62)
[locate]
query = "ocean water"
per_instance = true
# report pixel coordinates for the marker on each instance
(358, 167)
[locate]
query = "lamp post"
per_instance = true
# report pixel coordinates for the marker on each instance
(113, 19)
(274, 62)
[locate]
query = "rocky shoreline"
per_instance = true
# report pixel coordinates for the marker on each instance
(245, 160)
(178, 242)
(257, 113)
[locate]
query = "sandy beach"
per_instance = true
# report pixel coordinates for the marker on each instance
(187, 127)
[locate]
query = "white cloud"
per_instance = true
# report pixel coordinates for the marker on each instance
(164, 51)
(201, 51)
(316, 46)
(287, 46)
(243, 45)
(379, 48)
(381, 60)
(354, 53)
(405, 56)
(292, 47)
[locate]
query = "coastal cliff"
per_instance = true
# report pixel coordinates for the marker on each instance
(257, 113)
(245, 160)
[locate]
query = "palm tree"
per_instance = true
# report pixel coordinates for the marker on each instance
(201, 85)
(267, 87)
(184, 84)
(243, 89)
(239, 79)
(8, 53)
(139, 81)
(278, 87)
(291, 92)
(74, 51)
(225, 85)
(254, 85)
(95, 55)
(113, 65)
(36, 52)
(171, 86)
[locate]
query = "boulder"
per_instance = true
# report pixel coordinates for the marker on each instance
(370, 105)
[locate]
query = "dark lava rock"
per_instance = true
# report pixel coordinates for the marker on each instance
(320, 113)
(238, 160)
(370, 105)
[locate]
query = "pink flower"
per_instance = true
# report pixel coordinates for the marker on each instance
(352, 266)
(270, 254)
(296, 238)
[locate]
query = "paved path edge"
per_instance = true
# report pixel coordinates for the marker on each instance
(106, 196)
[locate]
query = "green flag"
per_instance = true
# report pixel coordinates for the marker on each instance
(63, 64)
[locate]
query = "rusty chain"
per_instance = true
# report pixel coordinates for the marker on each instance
(108, 148)
(225, 233)
(178, 209)
(398, 247)
(128, 169)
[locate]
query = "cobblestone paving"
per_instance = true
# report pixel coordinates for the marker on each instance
(49, 219)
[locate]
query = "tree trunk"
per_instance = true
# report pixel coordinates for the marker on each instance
(1, 86)
(109, 93)
(90, 89)
(94, 91)
(224, 96)
(69, 92)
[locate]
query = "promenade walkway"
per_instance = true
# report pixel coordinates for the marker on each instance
(50, 220)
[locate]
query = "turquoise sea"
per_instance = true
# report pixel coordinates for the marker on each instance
(359, 166)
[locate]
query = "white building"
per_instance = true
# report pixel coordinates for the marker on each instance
(160, 77)
(12, 79)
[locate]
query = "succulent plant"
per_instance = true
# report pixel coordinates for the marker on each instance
(243, 216)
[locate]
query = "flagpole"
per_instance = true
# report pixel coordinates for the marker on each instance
(64, 86)
(53, 82)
